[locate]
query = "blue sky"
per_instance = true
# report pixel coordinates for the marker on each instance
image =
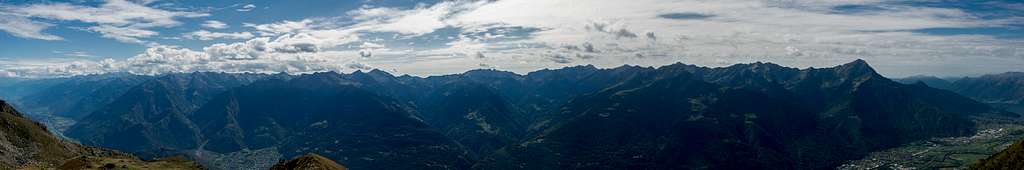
(899, 38)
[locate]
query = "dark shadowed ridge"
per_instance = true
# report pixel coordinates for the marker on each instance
(746, 116)
(930, 81)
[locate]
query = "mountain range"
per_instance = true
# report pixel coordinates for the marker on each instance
(679, 116)
(1007, 88)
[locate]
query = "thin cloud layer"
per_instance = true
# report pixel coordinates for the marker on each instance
(25, 28)
(121, 20)
(214, 24)
(207, 35)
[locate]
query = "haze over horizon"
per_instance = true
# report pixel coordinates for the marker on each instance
(898, 38)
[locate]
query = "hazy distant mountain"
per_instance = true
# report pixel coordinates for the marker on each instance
(1004, 90)
(16, 88)
(997, 88)
(931, 81)
(76, 97)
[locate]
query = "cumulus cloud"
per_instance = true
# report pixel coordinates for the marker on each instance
(358, 66)
(50, 68)
(588, 47)
(25, 28)
(365, 53)
(214, 24)
(207, 35)
(559, 58)
(618, 30)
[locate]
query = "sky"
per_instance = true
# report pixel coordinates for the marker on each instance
(423, 38)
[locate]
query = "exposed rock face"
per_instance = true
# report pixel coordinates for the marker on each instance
(308, 162)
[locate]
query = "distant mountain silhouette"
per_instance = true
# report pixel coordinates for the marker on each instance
(1004, 88)
(931, 81)
(997, 88)
(78, 96)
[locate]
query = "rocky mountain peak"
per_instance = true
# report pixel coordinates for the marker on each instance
(856, 68)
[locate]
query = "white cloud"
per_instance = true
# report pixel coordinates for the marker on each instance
(281, 27)
(417, 21)
(144, 2)
(113, 12)
(121, 20)
(50, 68)
(81, 54)
(207, 35)
(123, 34)
(25, 28)
(215, 24)
(246, 8)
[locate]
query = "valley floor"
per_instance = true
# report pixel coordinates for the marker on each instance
(945, 153)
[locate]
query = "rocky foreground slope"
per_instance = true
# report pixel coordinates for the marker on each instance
(309, 162)
(25, 144)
